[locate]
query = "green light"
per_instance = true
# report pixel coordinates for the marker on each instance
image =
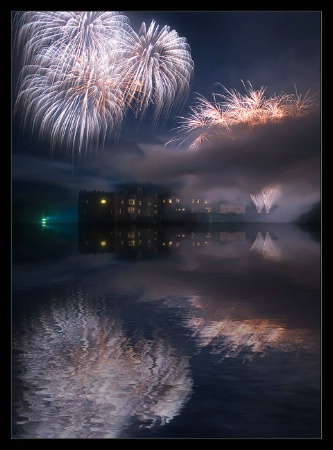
(44, 221)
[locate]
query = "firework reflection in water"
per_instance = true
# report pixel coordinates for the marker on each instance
(84, 378)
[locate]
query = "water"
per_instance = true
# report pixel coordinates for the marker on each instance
(173, 332)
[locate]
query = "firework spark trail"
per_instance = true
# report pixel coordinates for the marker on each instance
(270, 194)
(258, 201)
(207, 118)
(80, 32)
(252, 108)
(247, 108)
(300, 104)
(75, 105)
(157, 66)
(198, 122)
(266, 198)
(82, 71)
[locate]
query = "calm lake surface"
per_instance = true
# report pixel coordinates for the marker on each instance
(173, 332)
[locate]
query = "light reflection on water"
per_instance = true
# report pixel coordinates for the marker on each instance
(93, 375)
(135, 332)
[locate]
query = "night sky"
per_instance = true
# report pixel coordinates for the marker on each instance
(277, 50)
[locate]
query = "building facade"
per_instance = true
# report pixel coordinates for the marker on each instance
(136, 206)
(118, 207)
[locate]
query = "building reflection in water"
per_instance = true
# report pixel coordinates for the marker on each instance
(84, 377)
(221, 329)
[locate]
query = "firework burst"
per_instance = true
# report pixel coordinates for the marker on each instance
(218, 117)
(266, 198)
(270, 194)
(75, 105)
(82, 71)
(258, 201)
(67, 32)
(157, 68)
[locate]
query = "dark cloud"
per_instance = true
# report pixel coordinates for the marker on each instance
(287, 154)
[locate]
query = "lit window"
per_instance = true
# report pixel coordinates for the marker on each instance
(198, 200)
(131, 201)
(103, 200)
(103, 243)
(177, 200)
(170, 200)
(131, 210)
(140, 202)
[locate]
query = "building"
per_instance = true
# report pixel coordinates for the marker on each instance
(118, 207)
(136, 206)
(238, 208)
